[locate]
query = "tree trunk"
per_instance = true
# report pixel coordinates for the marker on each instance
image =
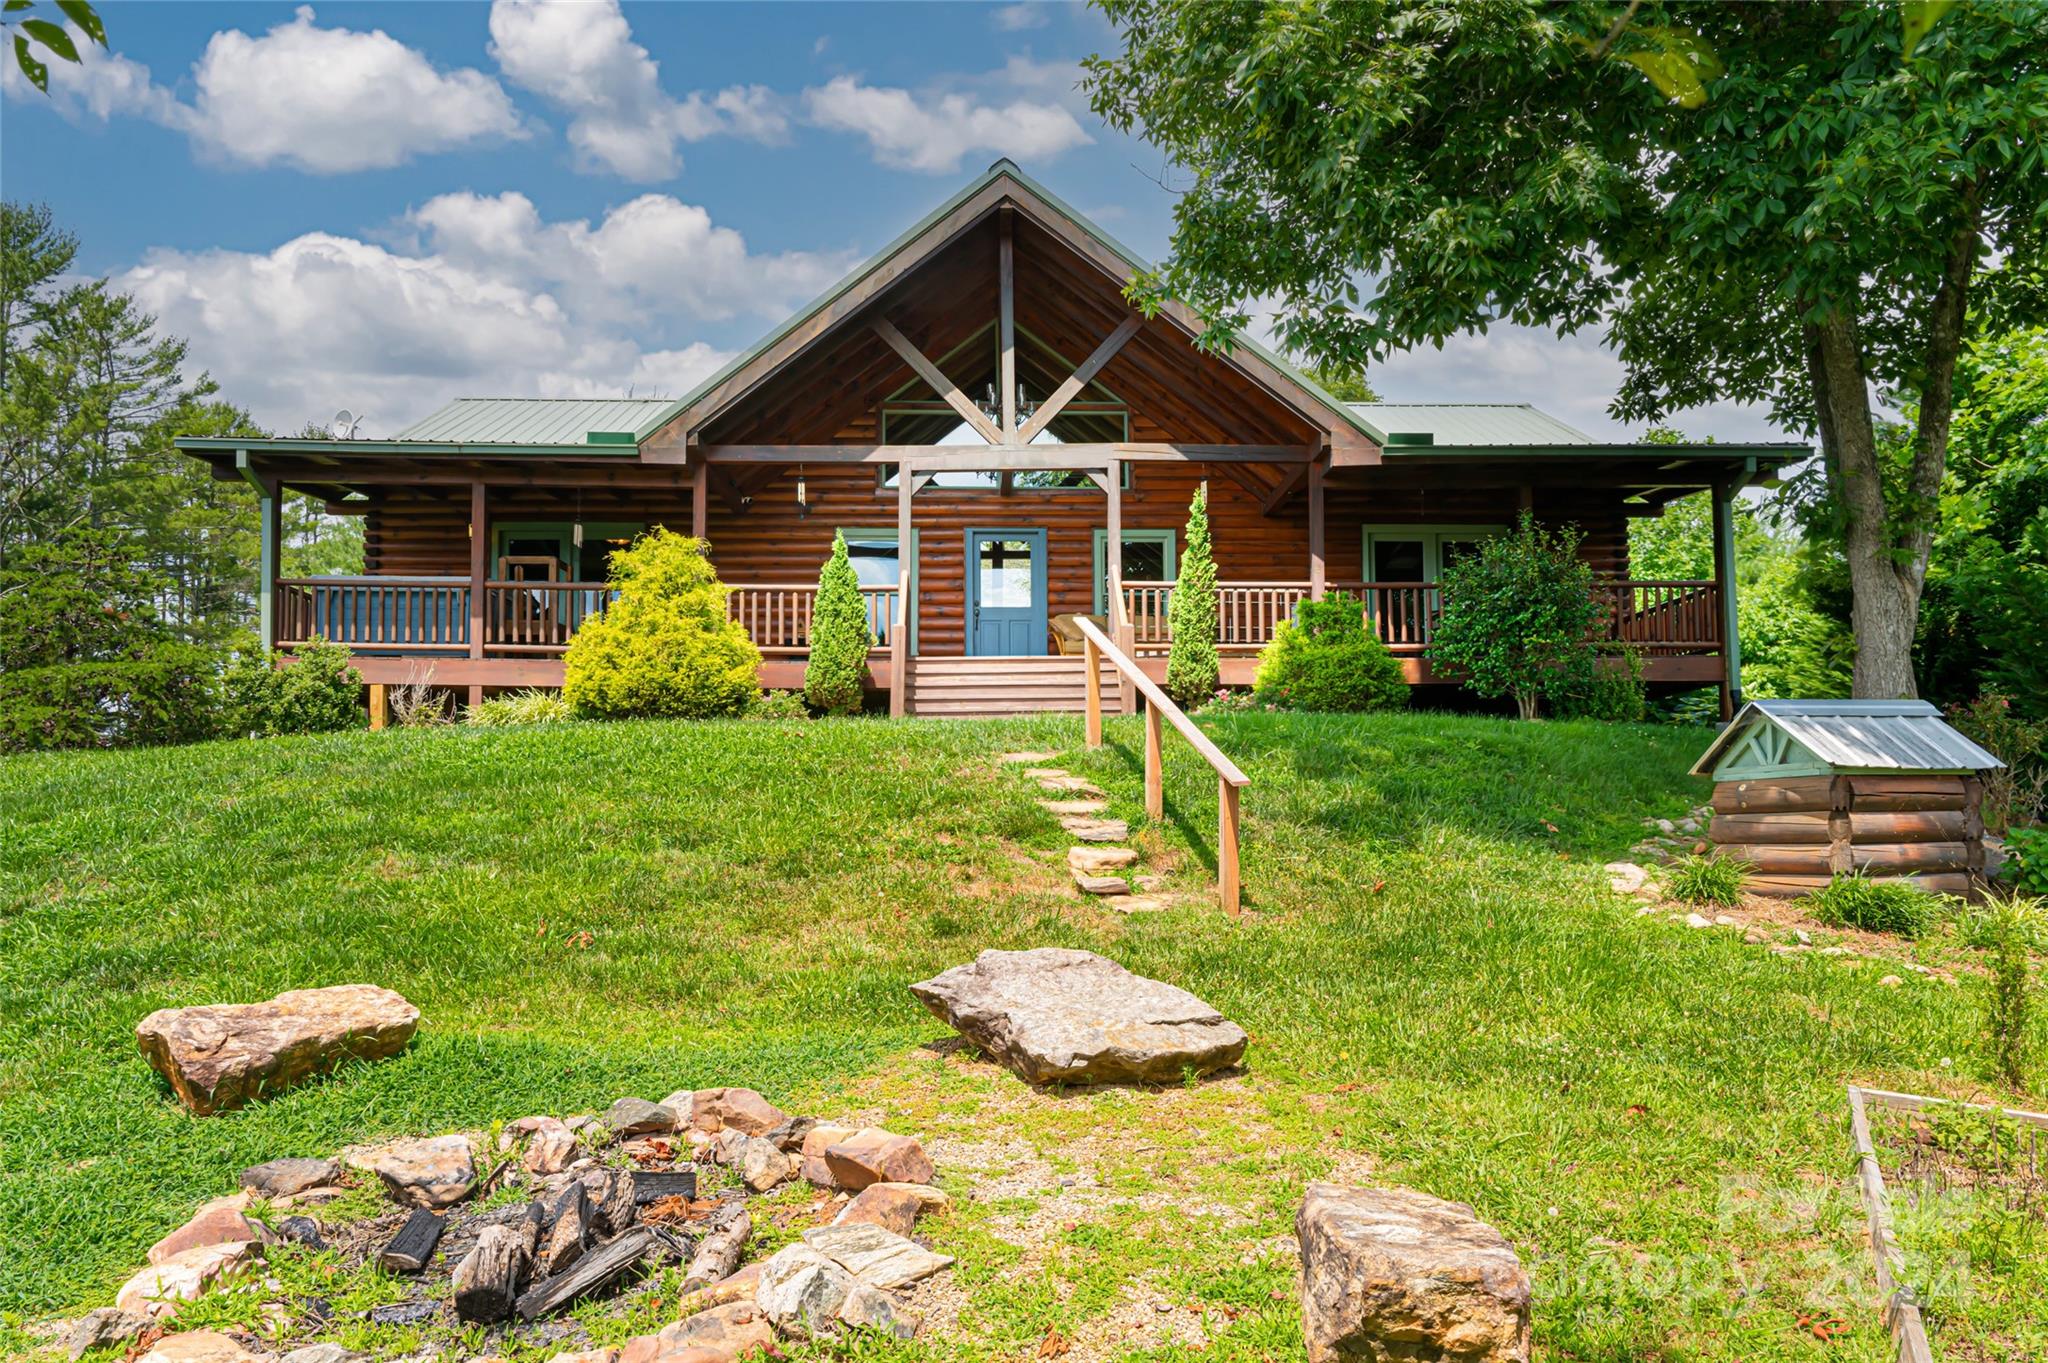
(1526, 702)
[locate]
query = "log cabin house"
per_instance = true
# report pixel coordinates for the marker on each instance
(981, 394)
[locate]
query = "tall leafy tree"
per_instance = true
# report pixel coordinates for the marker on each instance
(1783, 204)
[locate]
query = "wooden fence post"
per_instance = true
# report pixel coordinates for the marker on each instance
(1155, 775)
(1226, 846)
(1091, 660)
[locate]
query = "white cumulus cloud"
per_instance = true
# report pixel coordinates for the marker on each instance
(933, 133)
(582, 58)
(322, 100)
(475, 295)
(1017, 18)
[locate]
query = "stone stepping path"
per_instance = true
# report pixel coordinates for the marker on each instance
(1093, 861)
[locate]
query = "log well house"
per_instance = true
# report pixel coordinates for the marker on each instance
(1006, 444)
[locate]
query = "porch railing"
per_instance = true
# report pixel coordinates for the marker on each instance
(375, 614)
(1659, 616)
(777, 616)
(539, 617)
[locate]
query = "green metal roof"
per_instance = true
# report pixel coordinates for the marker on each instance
(536, 421)
(1471, 423)
(1000, 170)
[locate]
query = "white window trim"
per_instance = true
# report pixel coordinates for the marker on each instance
(874, 534)
(1165, 537)
(1432, 537)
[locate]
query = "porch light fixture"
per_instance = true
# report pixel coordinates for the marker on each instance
(803, 503)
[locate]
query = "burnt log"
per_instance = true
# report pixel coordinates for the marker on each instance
(568, 1230)
(718, 1254)
(593, 1271)
(414, 1244)
(649, 1186)
(611, 1199)
(487, 1281)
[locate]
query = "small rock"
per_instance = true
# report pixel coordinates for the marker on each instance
(219, 1056)
(1095, 830)
(872, 1155)
(1802, 936)
(285, 1177)
(301, 1230)
(741, 1109)
(198, 1346)
(156, 1291)
(1097, 861)
(790, 1135)
(1723, 920)
(801, 1291)
(107, 1325)
(1027, 759)
(433, 1173)
(322, 1353)
(638, 1117)
(587, 1356)
(1756, 936)
(733, 1329)
(1891, 982)
(312, 1197)
(1836, 951)
(1698, 920)
(1074, 806)
(404, 1313)
(874, 1254)
(1666, 827)
(868, 1308)
(1625, 877)
(551, 1148)
(763, 1165)
(1057, 1015)
(892, 1206)
(1389, 1273)
(1688, 825)
(816, 1142)
(1101, 885)
(1135, 903)
(219, 1222)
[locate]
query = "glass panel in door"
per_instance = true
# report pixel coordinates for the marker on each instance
(1006, 593)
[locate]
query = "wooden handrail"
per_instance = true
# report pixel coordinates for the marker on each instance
(1159, 706)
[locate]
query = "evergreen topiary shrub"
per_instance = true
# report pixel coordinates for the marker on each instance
(1192, 668)
(840, 639)
(1519, 617)
(667, 646)
(314, 691)
(1326, 659)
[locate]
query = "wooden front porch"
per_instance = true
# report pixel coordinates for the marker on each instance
(413, 629)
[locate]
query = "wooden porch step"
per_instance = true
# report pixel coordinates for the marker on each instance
(1003, 686)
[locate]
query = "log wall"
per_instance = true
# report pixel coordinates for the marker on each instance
(411, 532)
(1798, 833)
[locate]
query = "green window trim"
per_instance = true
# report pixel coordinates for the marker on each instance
(1431, 536)
(886, 534)
(1143, 536)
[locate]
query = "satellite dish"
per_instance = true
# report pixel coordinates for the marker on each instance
(343, 427)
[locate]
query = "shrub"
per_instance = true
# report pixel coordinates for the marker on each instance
(777, 705)
(1612, 689)
(1192, 668)
(1705, 880)
(2026, 860)
(416, 703)
(2009, 1002)
(1326, 659)
(1518, 617)
(839, 637)
(667, 646)
(84, 660)
(313, 692)
(532, 706)
(1856, 901)
(2016, 793)
(1229, 702)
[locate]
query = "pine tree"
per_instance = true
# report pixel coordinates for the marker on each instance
(840, 637)
(1191, 665)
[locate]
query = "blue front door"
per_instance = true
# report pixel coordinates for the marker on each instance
(1006, 593)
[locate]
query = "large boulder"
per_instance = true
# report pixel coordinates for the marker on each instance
(1390, 1275)
(186, 1276)
(220, 1056)
(1058, 1016)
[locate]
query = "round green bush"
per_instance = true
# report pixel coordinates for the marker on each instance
(667, 646)
(1326, 659)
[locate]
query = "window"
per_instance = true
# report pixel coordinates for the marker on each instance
(1418, 553)
(875, 554)
(1022, 480)
(1148, 557)
(546, 551)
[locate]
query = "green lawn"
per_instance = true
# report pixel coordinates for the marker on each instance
(1440, 989)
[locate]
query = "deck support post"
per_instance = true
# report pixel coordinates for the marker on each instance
(899, 638)
(1318, 568)
(380, 706)
(700, 502)
(1724, 582)
(479, 558)
(269, 522)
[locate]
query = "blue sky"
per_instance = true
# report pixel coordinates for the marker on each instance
(386, 205)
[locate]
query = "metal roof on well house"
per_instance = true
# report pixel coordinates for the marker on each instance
(536, 421)
(1858, 735)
